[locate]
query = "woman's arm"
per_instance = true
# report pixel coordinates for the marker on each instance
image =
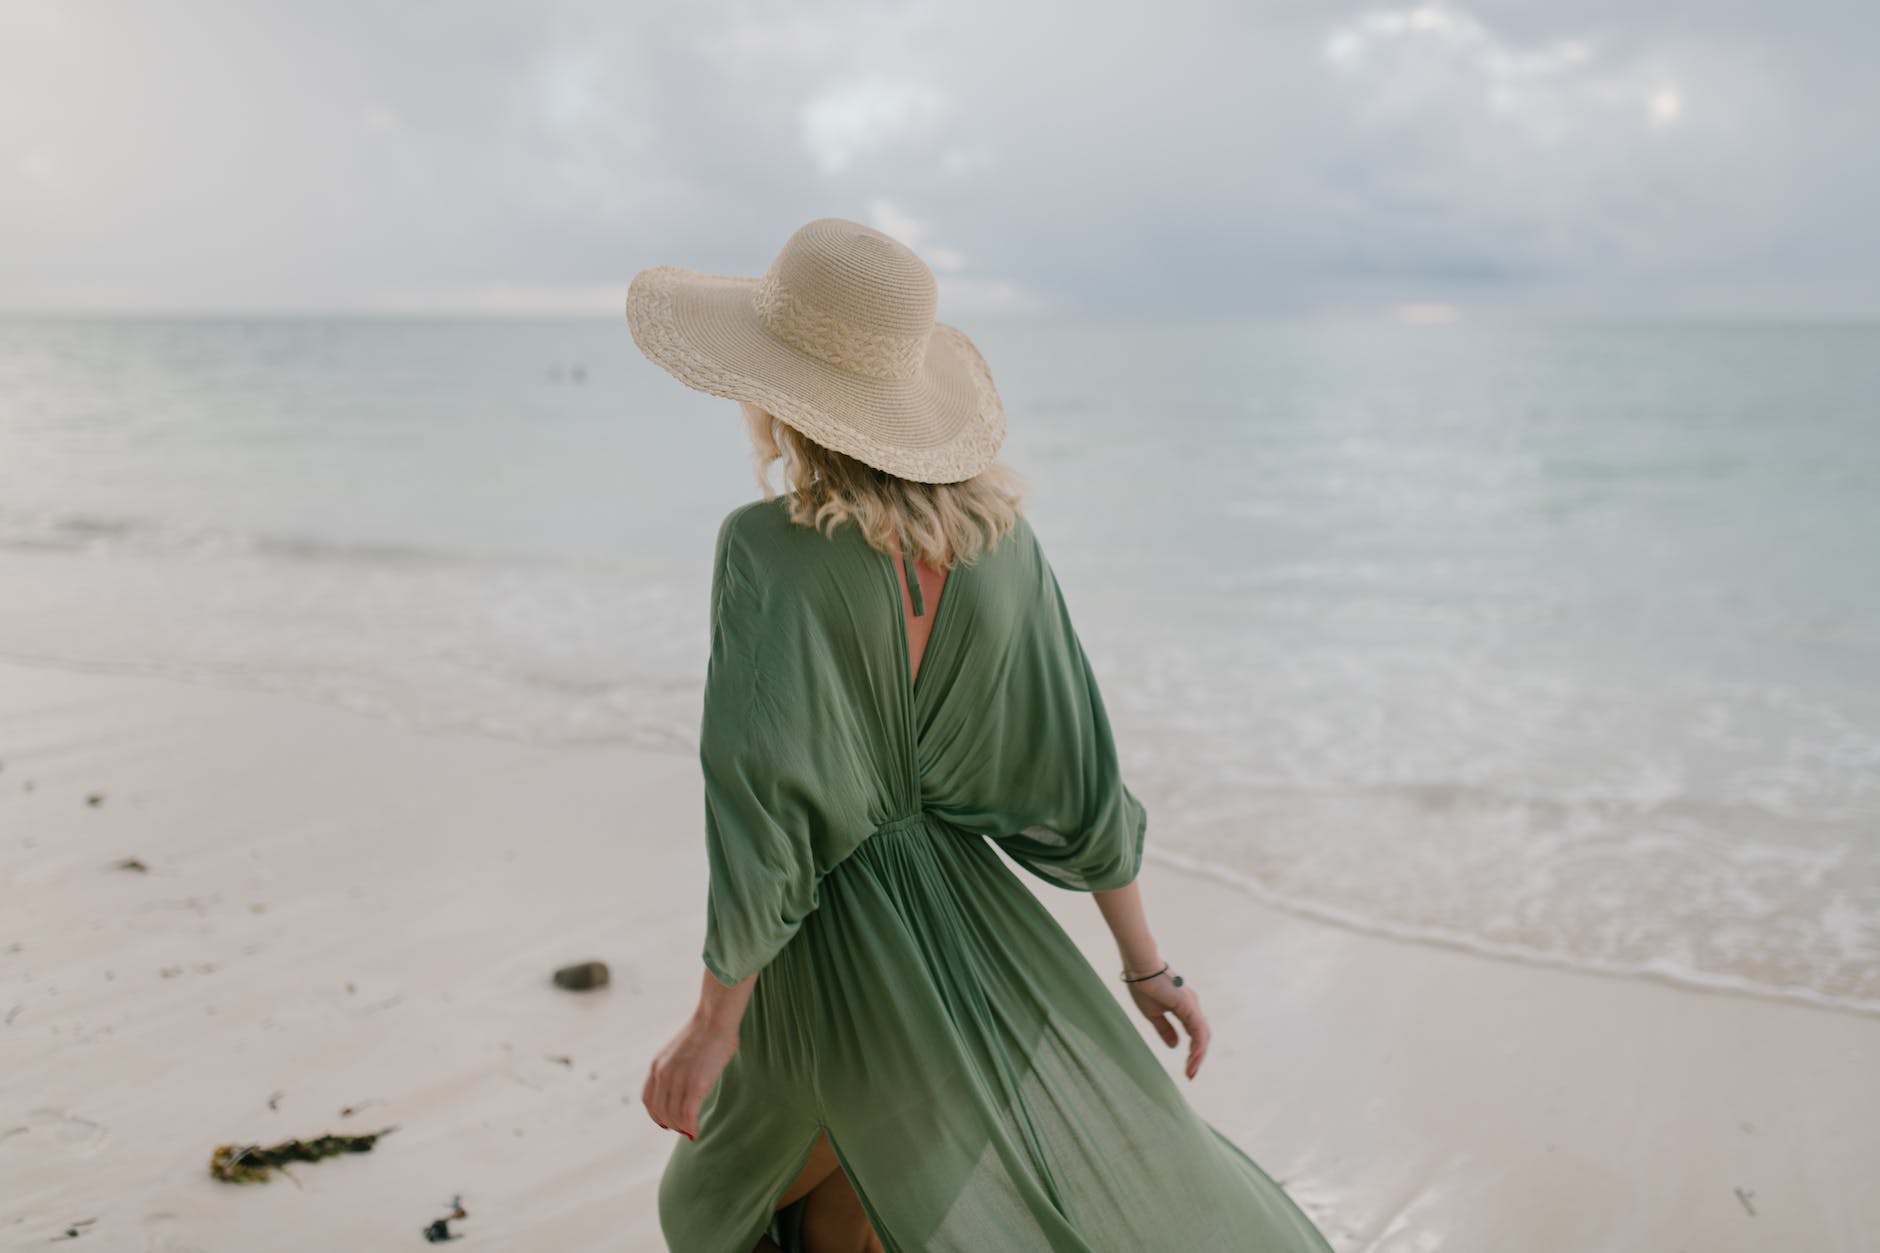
(682, 1075)
(1122, 910)
(1159, 997)
(720, 1006)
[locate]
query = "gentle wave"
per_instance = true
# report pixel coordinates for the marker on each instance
(116, 534)
(1660, 971)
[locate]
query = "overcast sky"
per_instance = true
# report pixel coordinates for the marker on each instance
(1593, 156)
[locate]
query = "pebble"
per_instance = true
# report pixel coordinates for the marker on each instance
(582, 976)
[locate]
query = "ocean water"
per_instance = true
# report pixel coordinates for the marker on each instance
(1555, 641)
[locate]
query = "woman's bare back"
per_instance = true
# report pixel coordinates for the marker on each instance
(919, 626)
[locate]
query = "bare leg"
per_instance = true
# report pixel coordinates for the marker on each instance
(833, 1220)
(821, 1164)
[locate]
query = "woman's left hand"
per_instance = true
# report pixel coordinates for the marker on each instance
(683, 1073)
(1158, 998)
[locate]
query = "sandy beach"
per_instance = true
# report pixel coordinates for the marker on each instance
(338, 914)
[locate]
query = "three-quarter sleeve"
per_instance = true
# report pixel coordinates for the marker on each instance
(1070, 817)
(758, 789)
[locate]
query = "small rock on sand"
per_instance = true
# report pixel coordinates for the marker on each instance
(582, 976)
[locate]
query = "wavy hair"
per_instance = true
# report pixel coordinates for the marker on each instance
(945, 523)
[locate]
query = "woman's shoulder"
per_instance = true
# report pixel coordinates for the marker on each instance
(765, 545)
(755, 527)
(751, 515)
(1021, 545)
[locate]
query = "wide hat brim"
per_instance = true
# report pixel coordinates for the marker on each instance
(942, 424)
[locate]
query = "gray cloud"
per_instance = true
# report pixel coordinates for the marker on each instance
(1588, 157)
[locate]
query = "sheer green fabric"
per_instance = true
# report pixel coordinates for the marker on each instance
(980, 1084)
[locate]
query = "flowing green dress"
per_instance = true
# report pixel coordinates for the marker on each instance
(979, 1083)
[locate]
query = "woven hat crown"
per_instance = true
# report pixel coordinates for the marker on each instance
(852, 297)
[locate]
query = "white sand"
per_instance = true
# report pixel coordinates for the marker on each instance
(357, 914)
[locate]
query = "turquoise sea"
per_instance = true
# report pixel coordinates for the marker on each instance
(1560, 641)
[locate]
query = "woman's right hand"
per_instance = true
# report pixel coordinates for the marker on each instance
(1157, 998)
(684, 1073)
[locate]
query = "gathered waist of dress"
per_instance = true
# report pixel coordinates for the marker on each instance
(908, 822)
(920, 836)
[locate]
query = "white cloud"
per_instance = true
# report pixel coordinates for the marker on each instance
(1481, 162)
(946, 258)
(888, 218)
(959, 293)
(1595, 155)
(1402, 62)
(1452, 31)
(853, 119)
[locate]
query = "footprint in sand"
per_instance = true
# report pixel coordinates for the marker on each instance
(81, 1135)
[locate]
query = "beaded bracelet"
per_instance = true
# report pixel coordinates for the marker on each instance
(1151, 975)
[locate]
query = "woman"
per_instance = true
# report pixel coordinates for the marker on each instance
(896, 1047)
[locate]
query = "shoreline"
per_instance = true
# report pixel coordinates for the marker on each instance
(1461, 942)
(1194, 865)
(361, 914)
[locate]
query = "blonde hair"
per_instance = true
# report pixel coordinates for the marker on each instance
(963, 519)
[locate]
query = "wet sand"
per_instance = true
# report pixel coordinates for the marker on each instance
(339, 913)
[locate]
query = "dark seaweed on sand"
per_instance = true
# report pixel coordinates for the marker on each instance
(439, 1231)
(252, 1163)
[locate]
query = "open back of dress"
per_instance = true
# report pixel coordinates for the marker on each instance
(977, 1079)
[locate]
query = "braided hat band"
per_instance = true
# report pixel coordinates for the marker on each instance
(838, 340)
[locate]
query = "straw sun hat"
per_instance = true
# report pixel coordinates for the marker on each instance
(838, 340)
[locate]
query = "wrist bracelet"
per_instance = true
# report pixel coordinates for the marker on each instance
(1151, 975)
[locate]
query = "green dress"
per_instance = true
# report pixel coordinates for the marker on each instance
(980, 1084)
